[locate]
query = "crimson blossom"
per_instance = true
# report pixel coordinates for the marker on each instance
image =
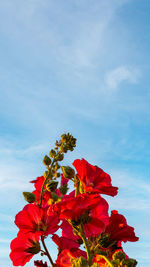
(89, 209)
(35, 219)
(93, 178)
(119, 230)
(23, 248)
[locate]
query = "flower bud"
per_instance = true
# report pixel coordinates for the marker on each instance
(63, 189)
(68, 172)
(129, 263)
(48, 174)
(64, 138)
(63, 148)
(59, 156)
(52, 153)
(118, 255)
(46, 161)
(51, 186)
(29, 197)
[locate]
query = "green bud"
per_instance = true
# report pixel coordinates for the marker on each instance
(52, 153)
(46, 161)
(54, 196)
(63, 148)
(59, 156)
(129, 263)
(48, 175)
(68, 172)
(57, 166)
(51, 186)
(29, 197)
(63, 189)
(64, 138)
(118, 255)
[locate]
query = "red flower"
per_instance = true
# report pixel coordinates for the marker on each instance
(23, 248)
(93, 178)
(118, 229)
(99, 215)
(40, 264)
(90, 209)
(73, 207)
(35, 219)
(64, 242)
(66, 257)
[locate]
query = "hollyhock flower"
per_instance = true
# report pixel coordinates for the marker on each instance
(93, 178)
(73, 207)
(100, 218)
(40, 264)
(90, 209)
(118, 229)
(23, 248)
(66, 257)
(64, 242)
(35, 219)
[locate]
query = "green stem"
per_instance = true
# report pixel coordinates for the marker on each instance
(41, 196)
(83, 236)
(46, 251)
(77, 189)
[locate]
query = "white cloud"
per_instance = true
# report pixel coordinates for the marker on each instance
(115, 77)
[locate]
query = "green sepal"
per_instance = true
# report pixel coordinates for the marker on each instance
(46, 161)
(68, 172)
(29, 197)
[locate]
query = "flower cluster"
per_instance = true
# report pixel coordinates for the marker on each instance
(90, 236)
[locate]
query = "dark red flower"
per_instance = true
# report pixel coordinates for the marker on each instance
(73, 207)
(35, 219)
(66, 257)
(23, 248)
(90, 209)
(40, 264)
(93, 178)
(118, 229)
(99, 219)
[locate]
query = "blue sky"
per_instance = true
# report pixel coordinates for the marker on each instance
(82, 67)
